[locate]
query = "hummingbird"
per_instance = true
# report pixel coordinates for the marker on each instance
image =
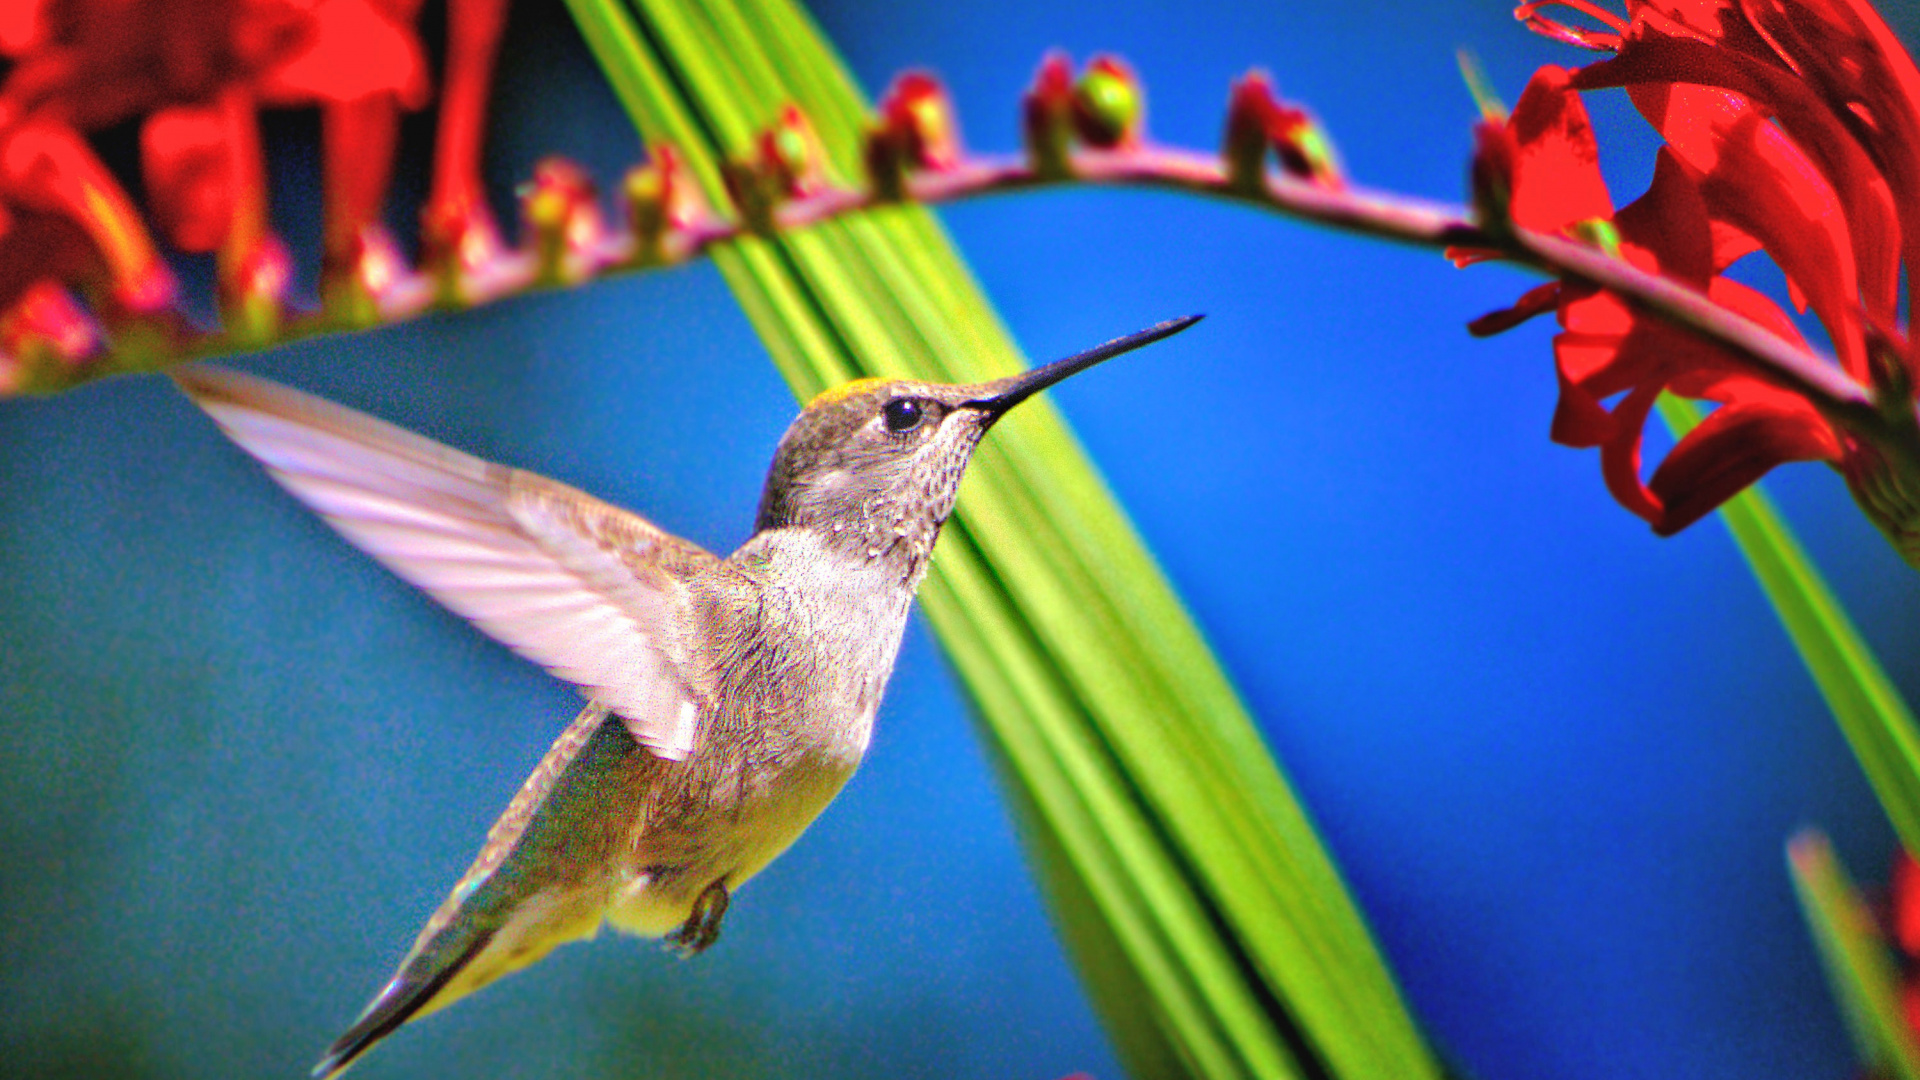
(728, 700)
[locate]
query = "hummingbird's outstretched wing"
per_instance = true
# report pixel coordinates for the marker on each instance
(540, 881)
(589, 591)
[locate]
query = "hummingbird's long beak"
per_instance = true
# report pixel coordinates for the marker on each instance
(1006, 393)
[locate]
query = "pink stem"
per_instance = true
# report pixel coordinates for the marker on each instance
(1390, 217)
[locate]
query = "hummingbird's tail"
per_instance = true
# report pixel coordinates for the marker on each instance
(422, 977)
(522, 897)
(459, 956)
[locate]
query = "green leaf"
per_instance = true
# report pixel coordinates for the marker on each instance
(1855, 957)
(1869, 709)
(1210, 925)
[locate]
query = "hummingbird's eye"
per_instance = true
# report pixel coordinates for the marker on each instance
(903, 415)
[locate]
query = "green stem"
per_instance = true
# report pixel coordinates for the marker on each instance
(1864, 701)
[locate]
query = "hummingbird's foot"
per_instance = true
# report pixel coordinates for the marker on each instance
(702, 928)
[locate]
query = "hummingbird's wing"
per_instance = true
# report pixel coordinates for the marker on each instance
(589, 591)
(540, 881)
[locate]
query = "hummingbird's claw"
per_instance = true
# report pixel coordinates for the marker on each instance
(702, 927)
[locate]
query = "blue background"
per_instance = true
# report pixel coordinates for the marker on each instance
(1556, 757)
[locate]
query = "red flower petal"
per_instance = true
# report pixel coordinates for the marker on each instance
(1669, 229)
(1620, 455)
(1720, 22)
(1814, 127)
(1734, 446)
(1579, 419)
(1852, 60)
(99, 62)
(1535, 301)
(1905, 900)
(357, 51)
(1556, 174)
(456, 213)
(190, 183)
(23, 25)
(1577, 36)
(357, 141)
(48, 168)
(1753, 176)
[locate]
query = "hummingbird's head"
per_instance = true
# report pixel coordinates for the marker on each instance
(875, 464)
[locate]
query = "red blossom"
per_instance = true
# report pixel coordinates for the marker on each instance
(1791, 128)
(1902, 917)
(68, 216)
(192, 74)
(351, 50)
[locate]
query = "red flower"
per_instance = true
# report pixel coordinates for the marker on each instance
(1792, 127)
(67, 217)
(194, 72)
(1903, 922)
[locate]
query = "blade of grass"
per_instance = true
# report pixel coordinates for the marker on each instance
(1855, 957)
(1213, 929)
(1863, 700)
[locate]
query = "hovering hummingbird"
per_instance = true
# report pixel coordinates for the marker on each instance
(728, 699)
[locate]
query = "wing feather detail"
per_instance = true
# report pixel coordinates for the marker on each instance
(590, 592)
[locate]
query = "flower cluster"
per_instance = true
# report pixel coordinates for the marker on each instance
(1791, 127)
(193, 75)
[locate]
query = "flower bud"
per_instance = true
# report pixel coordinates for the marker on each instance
(252, 287)
(561, 211)
(791, 157)
(1305, 151)
(753, 193)
(1243, 148)
(45, 328)
(1108, 105)
(355, 283)
(459, 243)
(1048, 117)
(917, 113)
(1257, 121)
(661, 200)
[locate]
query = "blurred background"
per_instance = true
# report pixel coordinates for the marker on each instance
(1556, 757)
